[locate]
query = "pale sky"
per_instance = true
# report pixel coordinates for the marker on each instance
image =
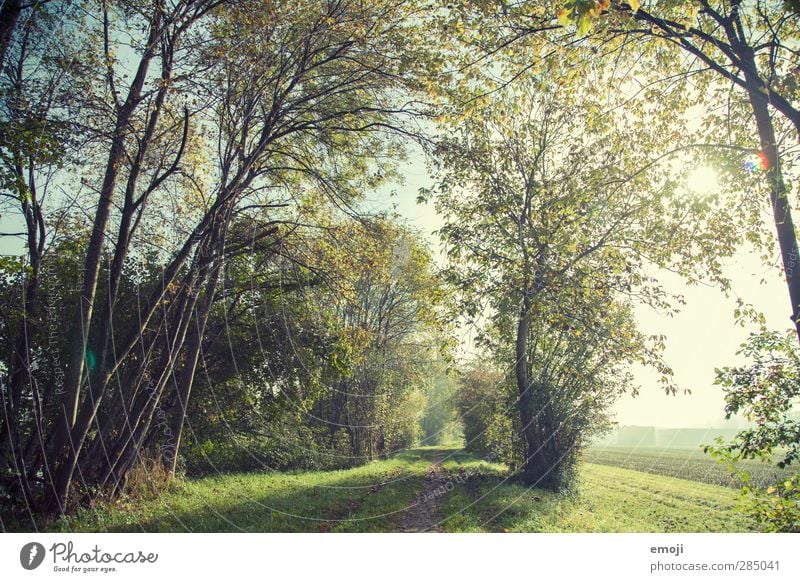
(700, 338)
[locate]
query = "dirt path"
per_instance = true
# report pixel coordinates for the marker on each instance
(423, 515)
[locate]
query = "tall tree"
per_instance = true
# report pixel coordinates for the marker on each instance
(556, 220)
(39, 134)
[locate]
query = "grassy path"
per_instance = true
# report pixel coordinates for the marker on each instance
(423, 489)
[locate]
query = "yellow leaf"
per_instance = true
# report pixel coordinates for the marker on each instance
(563, 17)
(584, 24)
(634, 5)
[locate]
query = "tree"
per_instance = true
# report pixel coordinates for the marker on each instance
(144, 103)
(39, 133)
(550, 223)
(487, 408)
(293, 107)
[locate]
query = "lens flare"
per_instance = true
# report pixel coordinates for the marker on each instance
(762, 156)
(757, 163)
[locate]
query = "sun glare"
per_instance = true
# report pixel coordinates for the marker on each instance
(703, 180)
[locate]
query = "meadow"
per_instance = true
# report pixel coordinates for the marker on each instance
(464, 493)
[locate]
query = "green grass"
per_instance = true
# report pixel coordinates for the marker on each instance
(366, 498)
(685, 463)
(608, 499)
(373, 497)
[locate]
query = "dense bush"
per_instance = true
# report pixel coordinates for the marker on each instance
(249, 454)
(486, 404)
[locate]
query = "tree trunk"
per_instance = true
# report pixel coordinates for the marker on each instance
(525, 388)
(184, 388)
(9, 15)
(20, 373)
(130, 206)
(79, 334)
(781, 208)
(757, 93)
(128, 445)
(541, 456)
(207, 269)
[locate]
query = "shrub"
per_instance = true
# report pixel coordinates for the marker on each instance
(764, 391)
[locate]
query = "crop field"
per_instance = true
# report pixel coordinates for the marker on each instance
(684, 463)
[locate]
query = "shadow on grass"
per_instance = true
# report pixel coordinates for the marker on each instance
(489, 500)
(604, 500)
(370, 497)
